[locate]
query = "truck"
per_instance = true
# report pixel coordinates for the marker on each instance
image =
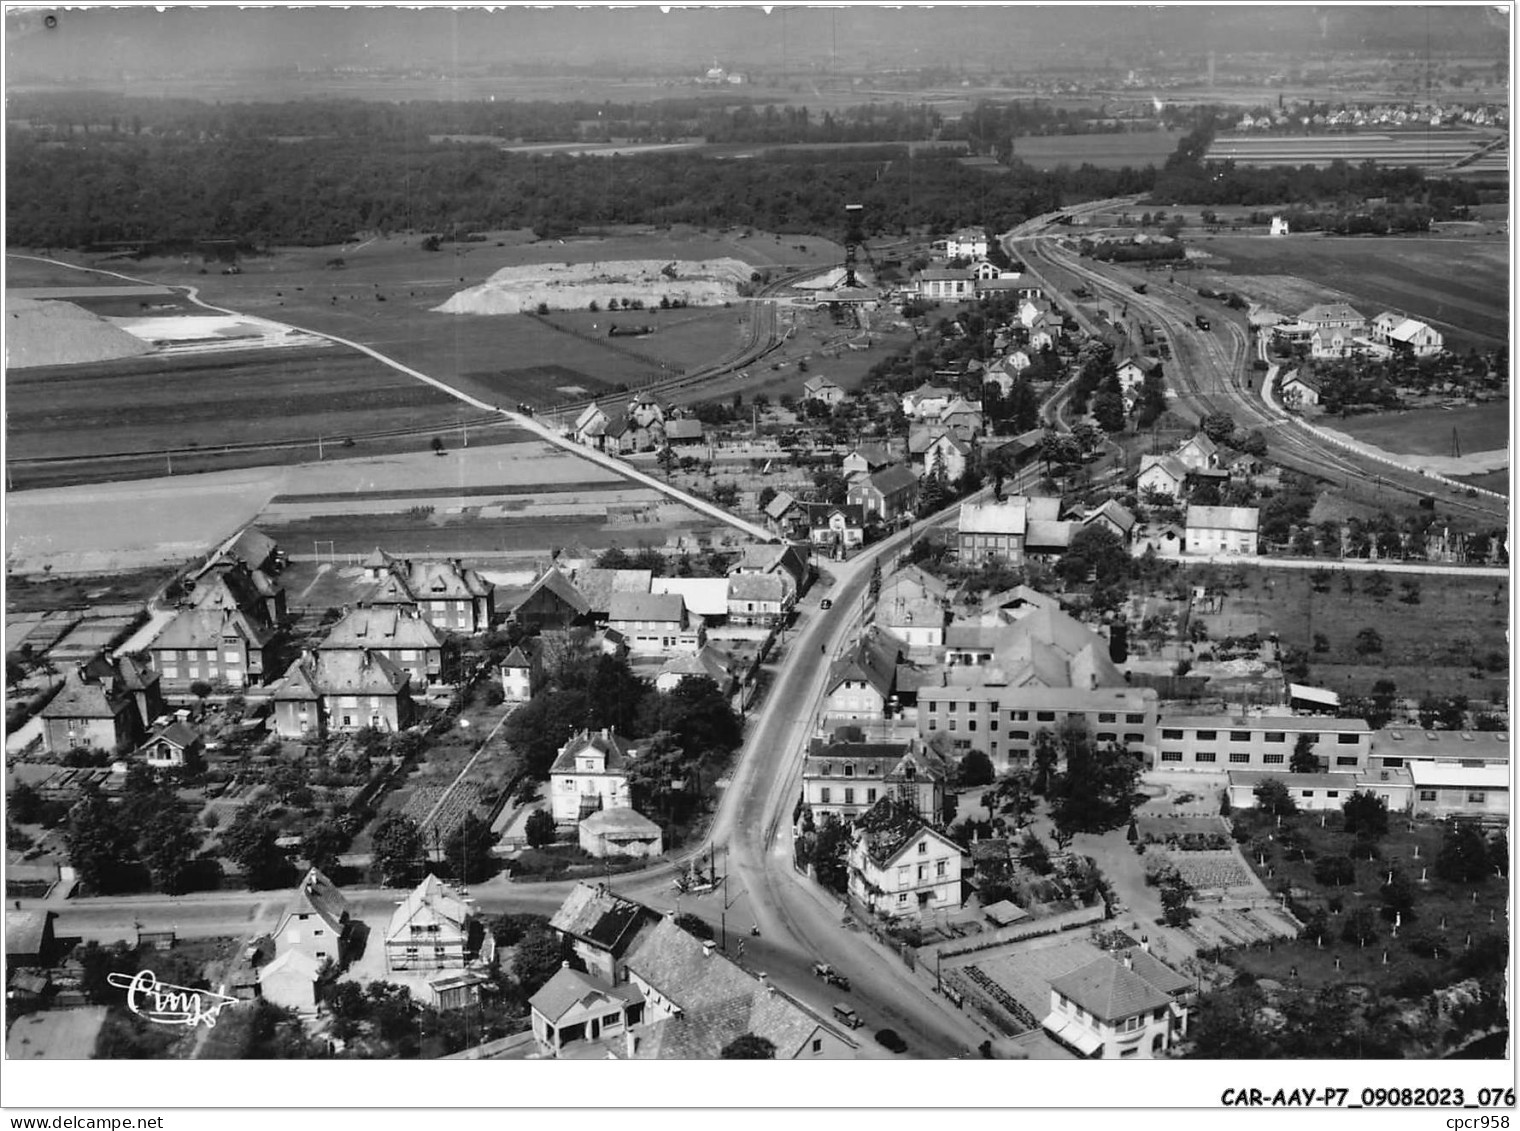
(1203, 323)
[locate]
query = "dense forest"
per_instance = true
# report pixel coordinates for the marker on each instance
(162, 191)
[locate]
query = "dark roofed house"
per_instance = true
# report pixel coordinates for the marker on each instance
(861, 681)
(553, 602)
(227, 584)
(1126, 1007)
(257, 550)
(225, 648)
(839, 527)
(900, 865)
(786, 561)
(683, 433)
(655, 623)
(89, 712)
(173, 746)
(886, 493)
(1112, 515)
(400, 633)
(341, 691)
(600, 926)
(848, 774)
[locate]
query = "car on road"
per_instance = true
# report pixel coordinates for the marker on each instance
(830, 975)
(826, 604)
(847, 1016)
(889, 1040)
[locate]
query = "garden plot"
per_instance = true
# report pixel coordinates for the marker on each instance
(1222, 871)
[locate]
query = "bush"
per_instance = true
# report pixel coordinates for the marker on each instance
(495, 696)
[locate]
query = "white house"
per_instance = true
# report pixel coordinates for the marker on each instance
(947, 454)
(761, 599)
(861, 682)
(1279, 226)
(1221, 530)
(1119, 1008)
(1164, 474)
(522, 671)
(589, 774)
(991, 530)
(968, 243)
(1406, 334)
(1298, 389)
(822, 390)
(1198, 452)
(940, 283)
(926, 402)
(901, 867)
(1133, 371)
(621, 832)
(655, 624)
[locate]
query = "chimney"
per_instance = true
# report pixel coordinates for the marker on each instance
(564, 964)
(709, 948)
(630, 1043)
(1145, 943)
(1129, 961)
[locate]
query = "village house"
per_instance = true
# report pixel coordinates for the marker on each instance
(706, 598)
(589, 774)
(225, 648)
(1298, 389)
(913, 606)
(938, 451)
(590, 427)
(430, 930)
(962, 418)
(316, 922)
(967, 243)
(522, 670)
(926, 402)
(452, 597)
(292, 981)
(398, 632)
(684, 433)
(848, 774)
(1046, 539)
(553, 602)
(900, 866)
(865, 458)
(173, 746)
(1406, 335)
(330, 692)
(1162, 474)
(620, 832)
(861, 682)
(784, 514)
(760, 600)
(600, 926)
(102, 705)
(1198, 453)
(667, 996)
(790, 563)
(993, 530)
(1221, 530)
(823, 390)
(597, 586)
(1130, 1007)
(836, 528)
(1133, 371)
(655, 624)
(710, 662)
(1113, 516)
(226, 584)
(887, 493)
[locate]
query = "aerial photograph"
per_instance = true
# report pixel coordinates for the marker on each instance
(798, 533)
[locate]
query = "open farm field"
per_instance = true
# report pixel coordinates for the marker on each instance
(1489, 481)
(1427, 431)
(683, 339)
(1428, 648)
(1459, 286)
(1103, 151)
(1424, 149)
(150, 403)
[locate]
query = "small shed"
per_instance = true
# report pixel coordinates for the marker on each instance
(1004, 912)
(621, 832)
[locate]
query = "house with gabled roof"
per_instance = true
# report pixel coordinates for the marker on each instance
(759, 599)
(686, 432)
(1406, 335)
(572, 1007)
(655, 624)
(784, 515)
(256, 550)
(316, 921)
(913, 606)
(598, 585)
(886, 493)
(225, 648)
(1163, 474)
(172, 746)
(600, 926)
(866, 458)
(837, 527)
(963, 418)
(1298, 389)
(788, 562)
(1133, 371)
(1197, 452)
(900, 865)
(398, 632)
(1113, 516)
(590, 426)
(623, 831)
(430, 929)
(822, 390)
(343, 691)
(1119, 1008)
(224, 584)
(522, 670)
(292, 981)
(1221, 530)
(846, 774)
(710, 662)
(927, 401)
(89, 712)
(453, 597)
(993, 530)
(861, 681)
(553, 602)
(945, 454)
(590, 773)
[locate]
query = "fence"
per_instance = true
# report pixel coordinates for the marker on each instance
(1037, 928)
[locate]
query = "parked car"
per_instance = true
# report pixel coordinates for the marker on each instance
(889, 1040)
(847, 1016)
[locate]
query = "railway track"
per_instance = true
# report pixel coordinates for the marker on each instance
(1212, 377)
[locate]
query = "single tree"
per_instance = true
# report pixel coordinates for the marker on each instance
(1464, 855)
(1176, 900)
(1335, 871)
(536, 960)
(468, 850)
(25, 805)
(250, 842)
(539, 828)
(1304, 760)
(975, 769)
(101, 850)
(1272, 796)
(168, 843)
(1369, 641)
(747, 1046)
(1364, 814)
(398, 850)
(322, 843)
